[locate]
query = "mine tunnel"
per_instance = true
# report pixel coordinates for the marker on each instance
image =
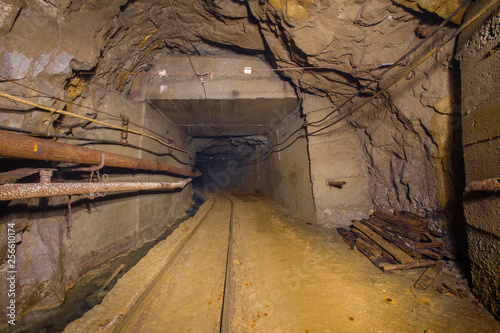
(249, 166)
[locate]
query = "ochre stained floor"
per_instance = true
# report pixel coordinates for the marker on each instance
(284, 276)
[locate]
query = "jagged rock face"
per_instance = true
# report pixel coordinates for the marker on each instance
(443, 8)
(86, 51)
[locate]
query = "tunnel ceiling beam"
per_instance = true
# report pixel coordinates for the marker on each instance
(227, 101)
(22, 146)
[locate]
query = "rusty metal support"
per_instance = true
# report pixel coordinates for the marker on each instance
(22, 146)
(488, 185)
(336, 183)
(39, 190)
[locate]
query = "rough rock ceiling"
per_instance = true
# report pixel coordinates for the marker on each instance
(113, 38)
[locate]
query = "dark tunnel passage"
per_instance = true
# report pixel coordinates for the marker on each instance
(229, 163)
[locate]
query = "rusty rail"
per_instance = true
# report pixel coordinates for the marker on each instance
(42, 189)
(22, 146)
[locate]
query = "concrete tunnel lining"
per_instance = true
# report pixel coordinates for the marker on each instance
(235, 103)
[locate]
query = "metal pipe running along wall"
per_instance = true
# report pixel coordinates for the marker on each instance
(39, 190)
(23, 146)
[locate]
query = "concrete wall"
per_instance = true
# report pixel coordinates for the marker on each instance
(51, 254)
(336, 154)
(297, 176)
(288, 174)
(158, 210)
(480, 71)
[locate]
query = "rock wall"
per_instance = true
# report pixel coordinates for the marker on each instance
(480, 73)
(54, 50)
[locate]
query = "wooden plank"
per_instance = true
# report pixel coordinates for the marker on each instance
(443, 253)
(348, 236)
(395, 239)
(434, 250)
(398, 230)
(399, 220)
(436, 253)
(372, 253)
(423, 221)
(395, 251)
(385, 254)
(369, 249)
(417, 264)
(426, 245)
(430, 254)
(436, 233)
(428, 277)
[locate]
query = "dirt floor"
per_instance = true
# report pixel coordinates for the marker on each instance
(284, 276)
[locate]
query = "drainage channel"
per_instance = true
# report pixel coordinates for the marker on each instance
(85, 294)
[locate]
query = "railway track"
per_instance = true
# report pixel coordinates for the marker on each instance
(179, 279)
(244, 266)
(228, 294)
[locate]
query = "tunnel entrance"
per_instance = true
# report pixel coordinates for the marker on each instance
(228, 128)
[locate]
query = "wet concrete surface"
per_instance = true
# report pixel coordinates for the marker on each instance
(285, 276)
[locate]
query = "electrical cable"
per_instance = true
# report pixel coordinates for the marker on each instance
(92, 141)
(269, 153)
(78, 104)
(428, 55)
(401, 59)
(379, 77)
(433, 51)
(202, 82)
(53, 110)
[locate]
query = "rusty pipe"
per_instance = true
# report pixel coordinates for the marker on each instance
(336, 183)
(488, 185)
(23, 146)
(39, 190)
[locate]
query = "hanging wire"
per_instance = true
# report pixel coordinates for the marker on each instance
(200, 76)
(78, 104)
(401, 59)
(376, 79)
(271, 150)
(428, 55)
(66, 113)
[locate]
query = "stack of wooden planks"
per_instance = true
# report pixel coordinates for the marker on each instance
(397, 242)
